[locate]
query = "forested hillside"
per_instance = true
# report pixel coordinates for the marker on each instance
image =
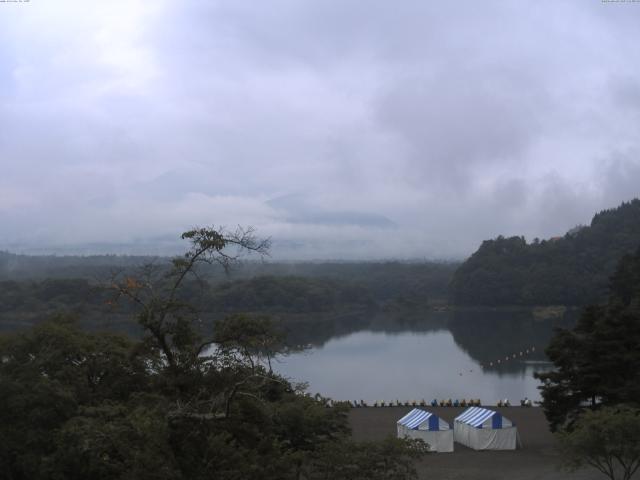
(21, 267)
(327, 295)
(569, 270)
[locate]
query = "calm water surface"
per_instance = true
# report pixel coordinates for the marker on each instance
(375, 366)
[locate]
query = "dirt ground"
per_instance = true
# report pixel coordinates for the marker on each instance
(537, 459)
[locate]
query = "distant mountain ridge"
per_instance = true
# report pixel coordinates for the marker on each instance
(569, 270)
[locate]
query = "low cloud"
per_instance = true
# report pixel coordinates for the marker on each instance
(341, 129)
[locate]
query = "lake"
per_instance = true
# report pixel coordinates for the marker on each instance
(486, 356)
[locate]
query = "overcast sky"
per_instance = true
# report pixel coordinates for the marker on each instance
(342, 129)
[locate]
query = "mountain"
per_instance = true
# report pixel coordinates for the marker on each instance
(569, 270)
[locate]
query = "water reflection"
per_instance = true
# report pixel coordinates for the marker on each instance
(408, 366)
(505, 342)
(441, 355)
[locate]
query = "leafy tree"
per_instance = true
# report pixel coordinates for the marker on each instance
(391, 459)
(115, 440)
(607, 439)
(47, 376)
(182, 403)
(165, 317)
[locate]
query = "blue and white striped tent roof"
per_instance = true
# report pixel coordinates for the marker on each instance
(418, 419)
(479, 417)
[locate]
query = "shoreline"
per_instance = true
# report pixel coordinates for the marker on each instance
(537, 459)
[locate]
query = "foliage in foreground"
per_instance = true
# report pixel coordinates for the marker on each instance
(177, 404)
(79, 405)
(607, 439)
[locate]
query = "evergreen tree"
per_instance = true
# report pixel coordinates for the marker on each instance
(597, 362)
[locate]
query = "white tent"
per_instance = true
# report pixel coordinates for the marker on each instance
(427, 427)
(483, 429)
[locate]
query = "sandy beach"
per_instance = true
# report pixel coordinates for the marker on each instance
(537, 459)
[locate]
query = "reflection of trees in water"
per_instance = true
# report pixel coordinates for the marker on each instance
(489, 336)
(486, 336)
(316, 330)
